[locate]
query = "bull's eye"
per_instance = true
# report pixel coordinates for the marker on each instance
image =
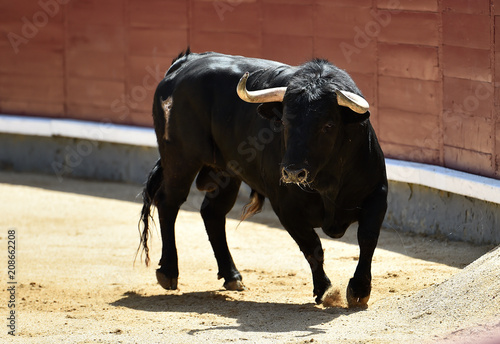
(327, 127)
(277, 125)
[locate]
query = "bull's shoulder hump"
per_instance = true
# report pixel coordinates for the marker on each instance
(209, 63)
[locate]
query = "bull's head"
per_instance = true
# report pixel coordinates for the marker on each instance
(312, 116)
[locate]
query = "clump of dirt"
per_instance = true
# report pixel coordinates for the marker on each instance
(333, 298)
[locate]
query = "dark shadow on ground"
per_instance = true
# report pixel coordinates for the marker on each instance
(251, 316)
(104, 189)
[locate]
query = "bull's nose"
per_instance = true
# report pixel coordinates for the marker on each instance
(296, 176)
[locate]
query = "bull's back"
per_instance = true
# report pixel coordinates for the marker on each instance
(208, 116)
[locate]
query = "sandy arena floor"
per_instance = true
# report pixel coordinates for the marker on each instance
(77, 283)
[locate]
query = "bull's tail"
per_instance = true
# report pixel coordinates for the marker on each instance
(254, 206)
(149, 194)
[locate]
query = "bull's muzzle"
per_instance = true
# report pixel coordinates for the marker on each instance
(294, 176)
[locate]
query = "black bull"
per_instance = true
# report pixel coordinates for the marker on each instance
(302, 139)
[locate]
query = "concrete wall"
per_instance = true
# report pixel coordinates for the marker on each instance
(72, 157)
(427, 67)
(423, 210)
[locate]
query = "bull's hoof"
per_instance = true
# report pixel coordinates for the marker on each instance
(320, 290)
(319, 299)
(319, 295)
(168, 283)
(235, 285)
(354, 301)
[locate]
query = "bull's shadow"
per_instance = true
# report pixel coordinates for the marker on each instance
(251, 316)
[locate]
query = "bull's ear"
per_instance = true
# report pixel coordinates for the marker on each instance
(271, 111)
(351, 117)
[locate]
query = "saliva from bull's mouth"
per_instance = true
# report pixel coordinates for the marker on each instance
(306, 187)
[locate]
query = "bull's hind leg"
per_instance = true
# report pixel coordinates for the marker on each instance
(218, 201)
(174, 192)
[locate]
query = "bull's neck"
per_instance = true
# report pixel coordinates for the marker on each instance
(348, 146)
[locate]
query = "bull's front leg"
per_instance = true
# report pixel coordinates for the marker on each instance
(372, 216)
(321, 281)
(310, 245)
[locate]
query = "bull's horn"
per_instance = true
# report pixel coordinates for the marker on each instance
(352, 101)
(261, 96)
